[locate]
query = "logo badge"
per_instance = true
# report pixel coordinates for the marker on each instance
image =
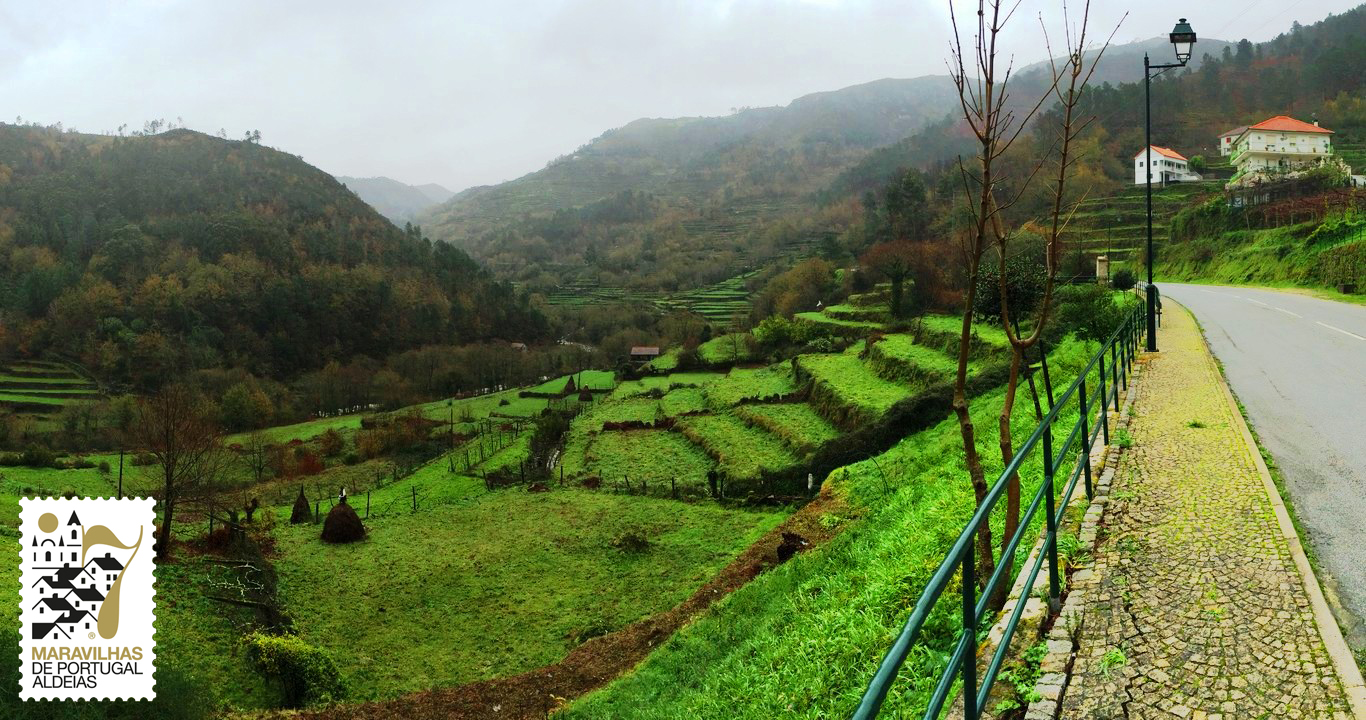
(86, 599)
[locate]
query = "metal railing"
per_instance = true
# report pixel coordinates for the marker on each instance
(1111, 378)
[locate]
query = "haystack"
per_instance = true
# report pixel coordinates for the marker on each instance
(302, 512)
(343, 525)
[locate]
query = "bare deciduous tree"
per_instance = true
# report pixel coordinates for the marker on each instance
(173, 426)
(996, 123)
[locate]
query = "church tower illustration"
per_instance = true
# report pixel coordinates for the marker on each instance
(61, 545)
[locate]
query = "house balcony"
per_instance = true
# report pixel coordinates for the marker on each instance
(1276, 151)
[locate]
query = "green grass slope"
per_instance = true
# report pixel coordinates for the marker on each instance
(803, 640)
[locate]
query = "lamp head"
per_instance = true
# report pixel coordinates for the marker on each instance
(1183, 39)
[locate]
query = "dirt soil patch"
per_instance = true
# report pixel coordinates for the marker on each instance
(537, 693)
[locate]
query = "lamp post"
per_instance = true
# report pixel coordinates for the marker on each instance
(1183, 40)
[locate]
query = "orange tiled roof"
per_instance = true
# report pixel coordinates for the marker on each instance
(1285, 123)
(1168, 152)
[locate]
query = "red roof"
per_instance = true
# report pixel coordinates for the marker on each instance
(644, 350)
(1285, 123)
(1168, 152)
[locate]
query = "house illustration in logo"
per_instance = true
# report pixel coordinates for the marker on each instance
(69, 598)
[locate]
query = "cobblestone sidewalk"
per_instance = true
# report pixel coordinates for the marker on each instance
(1193, 607)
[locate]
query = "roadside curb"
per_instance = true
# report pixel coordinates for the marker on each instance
(1343, 662)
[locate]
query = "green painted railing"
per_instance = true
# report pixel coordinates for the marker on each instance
(1110, 378)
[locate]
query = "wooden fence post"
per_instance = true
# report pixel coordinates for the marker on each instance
(317, 511)
(367, 504)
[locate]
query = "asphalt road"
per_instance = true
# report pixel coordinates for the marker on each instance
(1298, 364)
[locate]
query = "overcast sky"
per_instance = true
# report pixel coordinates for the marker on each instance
(468, 93)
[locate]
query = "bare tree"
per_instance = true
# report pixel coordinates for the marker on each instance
(173, 426)
(1070, 79)
(255, 455)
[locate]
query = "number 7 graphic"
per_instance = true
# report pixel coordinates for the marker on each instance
(109, 610)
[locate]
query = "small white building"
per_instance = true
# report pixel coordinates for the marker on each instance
(1169, 166)
(1227, 139)
(1278, 146)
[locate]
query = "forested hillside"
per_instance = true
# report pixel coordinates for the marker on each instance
(143, 257)
(673, 191)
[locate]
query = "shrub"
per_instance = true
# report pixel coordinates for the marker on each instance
(1089, 310)
(1123, 279)
(104, 467)
(351, 458)
(307, 462)
(81, 463)
(1025, 280)
(37, 456)
(331, 442)
(307, 674)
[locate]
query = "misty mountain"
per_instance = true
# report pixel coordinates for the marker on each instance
(702, 163)
(397, 201)
(1124, 63)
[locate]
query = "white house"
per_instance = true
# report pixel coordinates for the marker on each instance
(1280, 145)
(1168, 166)
(1227, 139)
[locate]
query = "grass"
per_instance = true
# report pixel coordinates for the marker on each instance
(802, 640)
(683, 401)
(743, 384)
(800, 427)
(848, 391)
(663, 383)
(38, 379)
(498, 586)
(741, 451)
(599, 379)
(652, 455)
(898, 357)
(15, 397)
(630, 409)
(725, 349)
(822, 318)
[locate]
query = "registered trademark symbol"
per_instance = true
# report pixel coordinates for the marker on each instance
(92, 636)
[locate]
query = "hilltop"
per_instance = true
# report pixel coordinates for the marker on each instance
(146, 256)
(682, 188)
(397, 201)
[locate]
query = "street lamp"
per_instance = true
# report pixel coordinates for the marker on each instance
(1183, 41)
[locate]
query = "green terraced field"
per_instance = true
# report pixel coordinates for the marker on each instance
(682, 401)
(632, 409)
(743, 384)
(742, 452)
(650, 455)
(847, 391)
(726, 349)
(800, 427)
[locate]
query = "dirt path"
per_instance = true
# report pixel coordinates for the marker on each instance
(536, 693)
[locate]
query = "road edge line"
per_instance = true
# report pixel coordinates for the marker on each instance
(1343, 661)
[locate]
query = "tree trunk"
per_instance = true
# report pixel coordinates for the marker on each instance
(985, 563)
(1007, 444)
(898, 287)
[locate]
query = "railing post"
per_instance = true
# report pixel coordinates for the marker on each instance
(1051, 521)
(1115, 374)
(970, 635)
(1104, 416)
(1085, 434)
